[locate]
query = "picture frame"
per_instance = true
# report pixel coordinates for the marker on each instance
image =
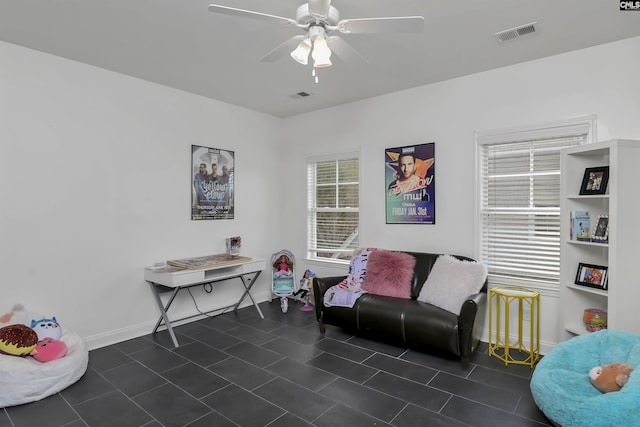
(212, 179)
(595, 180)
(410, 184)
(600, 233)
(593, 276)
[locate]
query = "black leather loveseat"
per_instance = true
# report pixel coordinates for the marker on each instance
(408, 322)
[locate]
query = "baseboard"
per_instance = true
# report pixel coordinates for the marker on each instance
(545, 346)
(134, 331)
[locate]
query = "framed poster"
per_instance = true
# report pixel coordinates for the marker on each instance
(410, 184)
(212, 177)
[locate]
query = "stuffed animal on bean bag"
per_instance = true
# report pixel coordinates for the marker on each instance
(610, 377)
(49, 349)
(17, 340)
(47, 328)
(6, 318)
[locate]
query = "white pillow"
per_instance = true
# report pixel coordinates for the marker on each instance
(451, 281)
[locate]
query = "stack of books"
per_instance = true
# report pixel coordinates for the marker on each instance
(208, 261)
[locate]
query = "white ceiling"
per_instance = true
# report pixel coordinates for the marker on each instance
(179, 43)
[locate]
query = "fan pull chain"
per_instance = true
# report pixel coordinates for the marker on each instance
(313, 73)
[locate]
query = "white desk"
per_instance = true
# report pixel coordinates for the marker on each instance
(167, 279)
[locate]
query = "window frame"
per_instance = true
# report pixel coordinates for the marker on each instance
(311, 248)
(585, 126)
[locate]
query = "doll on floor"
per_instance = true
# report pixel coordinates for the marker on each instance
(282, 266)
(305, 285)
(304, 292)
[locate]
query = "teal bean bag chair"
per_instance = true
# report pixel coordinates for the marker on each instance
(561, 388)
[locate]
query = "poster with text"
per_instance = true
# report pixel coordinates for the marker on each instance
(410, 184)
(212, 176)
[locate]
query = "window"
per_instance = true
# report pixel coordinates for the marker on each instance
(519, 202)
(333, 200)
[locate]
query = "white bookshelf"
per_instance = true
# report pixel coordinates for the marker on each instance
(621, 254)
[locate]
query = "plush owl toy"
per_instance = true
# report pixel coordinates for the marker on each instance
(610, 377)
(47, 328)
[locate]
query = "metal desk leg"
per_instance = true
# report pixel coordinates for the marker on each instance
(163, 312)
(247, 291)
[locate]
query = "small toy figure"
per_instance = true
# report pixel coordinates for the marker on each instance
(610, 377)
(283, 266)
(304, 292)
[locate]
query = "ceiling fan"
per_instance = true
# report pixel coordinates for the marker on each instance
(317, 19)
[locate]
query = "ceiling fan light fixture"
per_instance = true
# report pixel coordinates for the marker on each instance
(321, 53)
(319, 18)
(301, 53)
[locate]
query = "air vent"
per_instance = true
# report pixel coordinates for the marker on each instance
(300, 95)
(516, 32)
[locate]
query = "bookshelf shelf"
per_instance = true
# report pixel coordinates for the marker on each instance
(576, 329)
(585, 243)
(619, 253)
(588, 196)
(586, 289)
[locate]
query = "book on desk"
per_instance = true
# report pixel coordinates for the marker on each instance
(164, 268)
(208, 261)
(201, 269)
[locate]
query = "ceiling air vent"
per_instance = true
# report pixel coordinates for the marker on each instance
(516, 32)
(300, 95)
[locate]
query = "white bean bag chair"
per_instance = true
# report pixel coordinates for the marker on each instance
(24, 379)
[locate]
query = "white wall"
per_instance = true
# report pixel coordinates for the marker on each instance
(602, 80)
(95, 184)
(94, 172)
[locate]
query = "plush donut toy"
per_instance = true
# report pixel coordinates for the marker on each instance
(17, 340)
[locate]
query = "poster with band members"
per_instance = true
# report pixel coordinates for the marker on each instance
(212, 177)
(410, 184)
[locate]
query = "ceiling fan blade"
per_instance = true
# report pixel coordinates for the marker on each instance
(226, 10)
(400, 24)
(282, 49)
(319, 8)
(347, 53)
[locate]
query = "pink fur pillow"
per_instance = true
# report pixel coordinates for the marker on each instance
(389, 273)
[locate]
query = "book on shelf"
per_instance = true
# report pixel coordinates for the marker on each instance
(208, 261)
(579, 225)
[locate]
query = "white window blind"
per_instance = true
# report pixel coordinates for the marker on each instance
(333, 202)
(520, 209)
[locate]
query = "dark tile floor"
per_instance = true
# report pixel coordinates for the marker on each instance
(239, 370)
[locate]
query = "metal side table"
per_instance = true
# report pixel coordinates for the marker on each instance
(501, 344)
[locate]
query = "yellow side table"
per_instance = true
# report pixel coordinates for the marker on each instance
(501, 344)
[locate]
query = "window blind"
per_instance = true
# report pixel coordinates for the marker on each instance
(333, 201)
(520, 210)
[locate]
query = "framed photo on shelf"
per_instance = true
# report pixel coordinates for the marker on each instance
(593, 276)
(600, 232)
(595, 180)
